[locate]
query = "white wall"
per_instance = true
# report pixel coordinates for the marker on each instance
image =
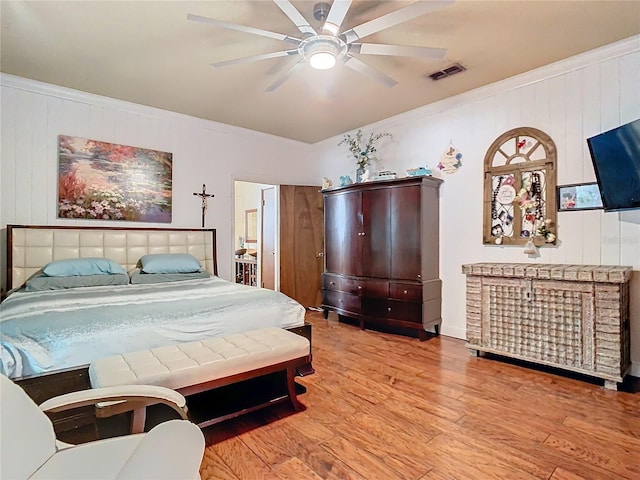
(33, 114)
(571, 101)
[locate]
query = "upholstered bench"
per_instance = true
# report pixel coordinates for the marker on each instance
(195, 367)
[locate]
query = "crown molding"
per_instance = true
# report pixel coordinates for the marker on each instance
(561, 67)
(78, 96)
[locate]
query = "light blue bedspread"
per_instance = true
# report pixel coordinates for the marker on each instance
(49, 330)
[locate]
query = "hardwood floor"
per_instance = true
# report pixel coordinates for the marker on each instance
(385, 407)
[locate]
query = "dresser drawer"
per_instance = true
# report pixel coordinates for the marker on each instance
(366, 286)
(406, 291)
(331, 282)
(392, 309)
(341, 300)
(408, 311)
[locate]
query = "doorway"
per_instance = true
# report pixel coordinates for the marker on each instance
(279, 238)
(249, 228)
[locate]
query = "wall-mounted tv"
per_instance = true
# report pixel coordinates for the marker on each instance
(616, 159)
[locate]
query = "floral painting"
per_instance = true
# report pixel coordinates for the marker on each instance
(105, 181)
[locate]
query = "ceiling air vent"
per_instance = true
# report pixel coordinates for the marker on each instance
(446, 72)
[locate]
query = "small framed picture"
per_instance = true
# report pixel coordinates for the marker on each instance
(579, 196)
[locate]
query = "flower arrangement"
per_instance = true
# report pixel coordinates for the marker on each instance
(543, 229)
(363, 153)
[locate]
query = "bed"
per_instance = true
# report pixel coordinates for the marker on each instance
(50, 330)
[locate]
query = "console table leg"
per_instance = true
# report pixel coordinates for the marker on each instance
(325, 313)
(610, 385)
(474, 353)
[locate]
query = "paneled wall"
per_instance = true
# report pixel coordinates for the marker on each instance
(571, 101)
(34, 114)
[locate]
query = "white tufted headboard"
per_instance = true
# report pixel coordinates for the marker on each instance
(31, 247)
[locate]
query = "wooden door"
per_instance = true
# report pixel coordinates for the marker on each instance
(405, 233)
(343, 226)
(268, 251)
(301, 243)
(375, 235)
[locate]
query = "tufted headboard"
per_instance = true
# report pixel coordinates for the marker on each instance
(31, 247)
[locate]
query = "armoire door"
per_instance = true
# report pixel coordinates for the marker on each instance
(375, 234)
(405, 229)
(343, 226)
(301, 243)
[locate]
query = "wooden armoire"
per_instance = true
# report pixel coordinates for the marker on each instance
(381, 253)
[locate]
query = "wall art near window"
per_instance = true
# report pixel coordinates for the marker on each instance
(450, 161)
(579, 196)
(520, 188)
(105, 181)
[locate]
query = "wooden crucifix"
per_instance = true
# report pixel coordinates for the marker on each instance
(203, 196)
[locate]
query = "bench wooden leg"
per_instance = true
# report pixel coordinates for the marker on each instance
(291, 386)
(138, 417)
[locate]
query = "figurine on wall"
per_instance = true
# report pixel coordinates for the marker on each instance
(345, 180)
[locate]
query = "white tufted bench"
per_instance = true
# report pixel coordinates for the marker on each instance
(195, 367)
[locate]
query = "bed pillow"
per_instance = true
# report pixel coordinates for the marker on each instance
(39, 281)
(137, 276)
(169, 263)
(83, 266)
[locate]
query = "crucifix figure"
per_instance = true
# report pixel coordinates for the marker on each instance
(204, 195)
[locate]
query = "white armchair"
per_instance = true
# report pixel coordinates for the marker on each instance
(28, 448)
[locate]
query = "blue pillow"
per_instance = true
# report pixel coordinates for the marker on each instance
(83, 266)
(169, 263)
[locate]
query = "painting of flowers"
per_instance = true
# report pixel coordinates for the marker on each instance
(105, 181)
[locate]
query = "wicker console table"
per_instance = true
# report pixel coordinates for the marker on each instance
(574, 317)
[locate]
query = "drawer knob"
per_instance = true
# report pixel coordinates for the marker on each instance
(359, 287)
(340, 300)
(405, 292)
(388, 309)
(332, 283)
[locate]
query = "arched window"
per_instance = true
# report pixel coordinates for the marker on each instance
(520, 188)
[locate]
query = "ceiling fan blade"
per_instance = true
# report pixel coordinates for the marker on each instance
(295, 16)
(361, 67)
(255, 58)
(399, 50)
(283, 78)
(242, 28)
(394, 18)
(336, 15)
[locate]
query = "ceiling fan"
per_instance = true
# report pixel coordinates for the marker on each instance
(322, 50)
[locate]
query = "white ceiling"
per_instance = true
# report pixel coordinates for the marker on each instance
(147, 52)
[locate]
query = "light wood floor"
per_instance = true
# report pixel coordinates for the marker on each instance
(385, 407)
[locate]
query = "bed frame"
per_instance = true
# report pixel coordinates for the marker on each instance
(31, 247)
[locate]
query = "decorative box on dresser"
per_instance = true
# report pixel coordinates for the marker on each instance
(574, 317)
(381, 253)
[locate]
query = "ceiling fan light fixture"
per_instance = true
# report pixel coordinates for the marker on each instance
(322, 51)
(322, 60)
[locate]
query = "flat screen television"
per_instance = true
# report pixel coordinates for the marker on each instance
(616, 159)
